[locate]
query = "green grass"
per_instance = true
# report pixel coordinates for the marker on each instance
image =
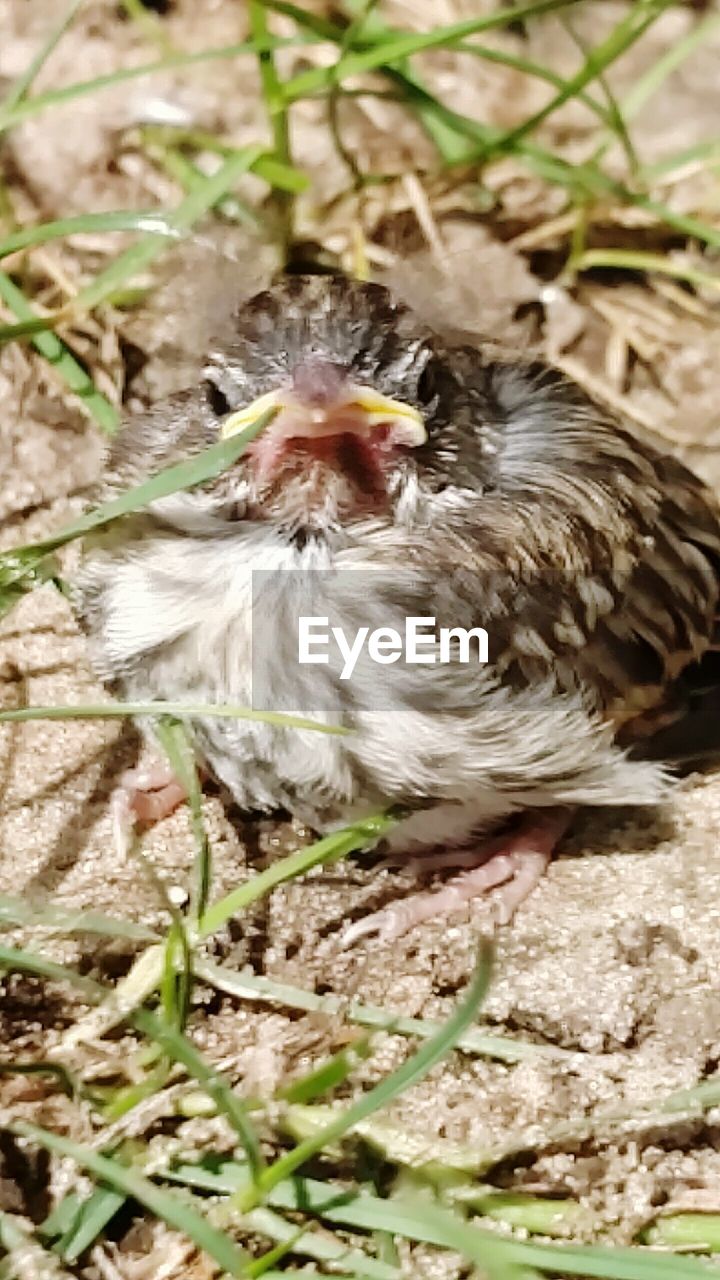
(26, 567)
(258, 1184)
(245, 1184)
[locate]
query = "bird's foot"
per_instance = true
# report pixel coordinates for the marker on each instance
(426, 863)
(147, 794)
(513, 864)
(153, 792)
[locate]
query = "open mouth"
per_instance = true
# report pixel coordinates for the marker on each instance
(361, 459)
(354, 429)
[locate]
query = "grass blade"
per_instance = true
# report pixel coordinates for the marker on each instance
(16, 959)
(414, 1069)
(322, 1247)
(630, 28)
(529, 1213)
(24, 82)
(277, 111)
(677, 159)
(320, 27)
(700, 1231)
(177, 981)
(663, 66)
(141, 254)
(591, 180)
(359, 835)
(65, 1079)
(122, 710)
(447, 128)
(26, 1256)
(580, 180)
(28, 566)
(432, 1159)
(153, 221)
(118, 1003)
(253, 986)
(537, 72)
(338, 35)
(14, 911)
(177, 1213)
(27, 328)
(331, 1073)
(175, 741)
(57, 354)
(403, 46)
(639, 260)
(204, 466)
(91, 1216)
(178, 1047)
(80, 89)
(435, 1225)
(290, 1273)
(698, 1098)
(424, 1222)
(149, 24)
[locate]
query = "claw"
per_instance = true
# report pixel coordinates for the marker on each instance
(512, 865)
(386, 925)
(143, 795)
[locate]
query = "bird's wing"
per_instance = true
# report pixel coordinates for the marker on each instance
(597, 557)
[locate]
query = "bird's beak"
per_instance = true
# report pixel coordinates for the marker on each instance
(243, 418)
(359, 411)
(406, 421)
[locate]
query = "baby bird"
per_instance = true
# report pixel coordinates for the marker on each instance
(406, 475)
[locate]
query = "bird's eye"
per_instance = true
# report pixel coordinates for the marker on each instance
(217, 400)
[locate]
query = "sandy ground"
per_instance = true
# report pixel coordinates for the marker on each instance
(613, 960)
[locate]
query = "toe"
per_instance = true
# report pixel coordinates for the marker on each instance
(152, 806)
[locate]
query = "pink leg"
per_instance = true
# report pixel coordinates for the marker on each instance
(153, 792)
(144, 795)
(515, 862)
(426, 863)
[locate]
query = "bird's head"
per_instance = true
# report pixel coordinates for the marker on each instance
(360, 392)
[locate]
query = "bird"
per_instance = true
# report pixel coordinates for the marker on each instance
(407, 473)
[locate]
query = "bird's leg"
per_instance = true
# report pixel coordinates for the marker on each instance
(513, 864)
(427, 862)
(146, 794)
(153, 791)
